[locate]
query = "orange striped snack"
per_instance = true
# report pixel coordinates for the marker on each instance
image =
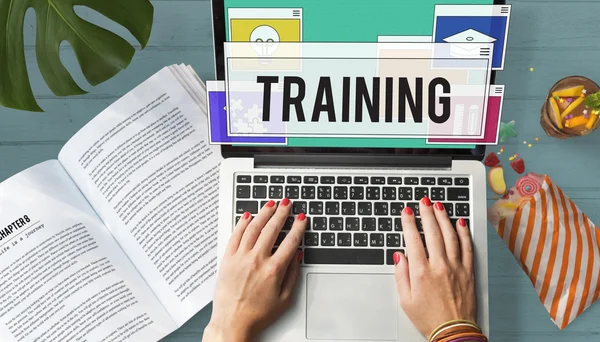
(555, 243)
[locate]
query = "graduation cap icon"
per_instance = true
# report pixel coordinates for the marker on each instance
(464, 44)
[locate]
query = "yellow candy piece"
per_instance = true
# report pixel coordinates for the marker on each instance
(556, 111)
(496, 180)
(561, 100)
(576, 121)
(570, 92)
(529, 145)
(572, 107)
(591, 122)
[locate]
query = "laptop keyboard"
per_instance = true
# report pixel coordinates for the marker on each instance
(351, 219)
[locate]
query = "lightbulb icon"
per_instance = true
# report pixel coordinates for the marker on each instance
(265, 41)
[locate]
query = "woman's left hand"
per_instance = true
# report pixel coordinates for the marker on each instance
(255, 286)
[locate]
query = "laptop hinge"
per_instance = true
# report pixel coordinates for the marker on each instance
(352, 161)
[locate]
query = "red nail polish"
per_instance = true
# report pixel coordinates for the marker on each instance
(285, 202)
(439, 206)
(408, 211)
(396, 258)
(301, 217)
(300, 255)
(426, 201)
(246, 216)
(270, 204)
(462, 222)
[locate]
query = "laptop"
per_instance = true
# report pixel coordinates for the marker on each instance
(352, 191)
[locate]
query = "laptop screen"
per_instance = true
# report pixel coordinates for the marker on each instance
(354, 21)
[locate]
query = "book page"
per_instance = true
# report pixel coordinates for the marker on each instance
(63, 277)
(146, 167)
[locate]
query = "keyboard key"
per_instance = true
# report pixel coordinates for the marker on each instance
(389, 194)
(461, 181)
(308, 192)
(352, 224)
(454, 222)
(280, 238)
(277, 179)
(373, 193)
(357, 193)
(397, 225)
(361, 180)
(384, 224)
(458, 194)
(419, 224)
(332, 208)
(427, 181)
(344, 239)
(396, 208)
(289, 222)
(361, 239)
(292, 192)
(336, 223)
(376, 240)
(263, 203)
(343, 256)
(444, 181)
(327, 239)
(438, 194)
(365, 208)
(411, 181)
(259, 191)
(394, 180)
(315, 208)
(311, 179)
(319, 223)
(276, 191)
(340, 192)
(327, 180)
(299, 207)
(449, 208)
(344, 180)
(244, 179)
(392, 240)
(405, 194)
(246, 206)
(348, 208)
(381, 208)
(420, 193)
(390, 255)
(378, 180)
(415, 208)
(294, 179)
(261, 179)
(242, 191)
(462, 209)
(237, 219)
(311, 239)
(368, 224)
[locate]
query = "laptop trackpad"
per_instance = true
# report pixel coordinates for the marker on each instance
(351, 307)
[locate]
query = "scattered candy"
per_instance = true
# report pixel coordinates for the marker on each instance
(596, 112)
(507, 130)
(524, 142)
(569, 100)
(585, 112)
(587, 116)
(491, 160)
(511, 158)
(531, 69)
(495, 197)
(496, 180)
(561, 100)
(529, 145)
(584, 91)
(557, 98)
(537, 139)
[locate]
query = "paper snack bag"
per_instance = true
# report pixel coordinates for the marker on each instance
(555, 243)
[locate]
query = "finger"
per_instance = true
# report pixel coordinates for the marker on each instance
(448, 232)
(291, 278)
(433, 234)
(238, 232)
(414, 245)
(466, 244)
(287, 250)
(268, 236)
(257, 225)
(402, 277)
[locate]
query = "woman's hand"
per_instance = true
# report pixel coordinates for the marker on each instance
(442, 288)
(254, 286)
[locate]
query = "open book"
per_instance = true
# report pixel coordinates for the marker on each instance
(116, 240)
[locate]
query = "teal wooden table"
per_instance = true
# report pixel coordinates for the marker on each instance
(556, 38)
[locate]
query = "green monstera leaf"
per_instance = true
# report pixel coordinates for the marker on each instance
(100, 53)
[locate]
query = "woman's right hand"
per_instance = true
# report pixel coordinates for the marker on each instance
(440, 288)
